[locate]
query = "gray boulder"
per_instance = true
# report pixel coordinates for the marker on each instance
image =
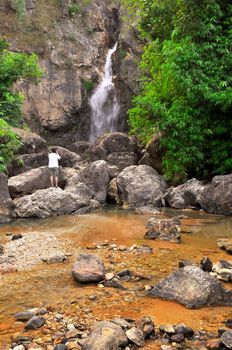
(36, 179)
(49, 202)
(117, 149)
(186, 195)
(88, 268)
(68, 158)
(30, 142)
(217, 197)
(95, 177)
(193, 288)
(6, 203)
(106, 336)
(164, 230)
(25, 162)
(140, 186)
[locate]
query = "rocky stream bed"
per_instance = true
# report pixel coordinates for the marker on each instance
(43, 307)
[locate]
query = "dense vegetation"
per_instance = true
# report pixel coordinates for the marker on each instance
(186, 89)
(13, 67)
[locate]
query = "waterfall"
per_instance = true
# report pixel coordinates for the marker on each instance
(104, 105)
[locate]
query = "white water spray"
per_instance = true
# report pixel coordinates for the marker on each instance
(104, 105)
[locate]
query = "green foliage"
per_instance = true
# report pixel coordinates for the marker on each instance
(9, 143)
(88, 85)
(186, 90)
(13, 67)
(73, 9)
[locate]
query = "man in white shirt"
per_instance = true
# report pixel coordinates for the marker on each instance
(53, 166)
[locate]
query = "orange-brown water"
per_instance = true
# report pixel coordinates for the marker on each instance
(52, 285)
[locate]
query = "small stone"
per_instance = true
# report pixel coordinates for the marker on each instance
(24, 316)
(16, 236)
(19, 347)
(177, 338)
(60, 347)
(75, 333)
(228, 323)
(166, 347)
(226, 339)
(206, 264)
(213, 344)
(135, 335)
(1, 249)
(109, 276)
(93, 297)
(167, 328)
(122, 248)
(134, 246)
(35, 322)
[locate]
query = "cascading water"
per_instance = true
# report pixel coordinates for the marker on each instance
(104, 105)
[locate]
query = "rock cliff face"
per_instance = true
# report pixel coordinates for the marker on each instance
(71, 40)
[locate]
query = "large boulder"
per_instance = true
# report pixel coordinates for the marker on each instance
(185, 196)
(6, 203)
(49, 202)
(164, 229)
(106, 336)
(217, 197)
(81, 148)
(140, 186)
(36, 179)
(68, 158)
(117, 149)
(88, 268)
(30, 142)
(25, 162)
(95, 176)
(193, 288)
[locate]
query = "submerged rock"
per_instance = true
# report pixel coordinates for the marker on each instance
(106, 335)
(225, 244)
(193, 288)
(49, 202)
(164, 230)
(88, 268)
(217, 197)
(140, 186)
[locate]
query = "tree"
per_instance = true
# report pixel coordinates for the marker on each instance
(13, 67)
(186, 92)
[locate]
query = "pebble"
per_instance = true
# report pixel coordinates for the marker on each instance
(16, 236)
(19, 347)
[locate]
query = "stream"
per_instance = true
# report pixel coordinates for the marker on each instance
(51, 285)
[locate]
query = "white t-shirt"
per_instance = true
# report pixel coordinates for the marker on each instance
(53, 160)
